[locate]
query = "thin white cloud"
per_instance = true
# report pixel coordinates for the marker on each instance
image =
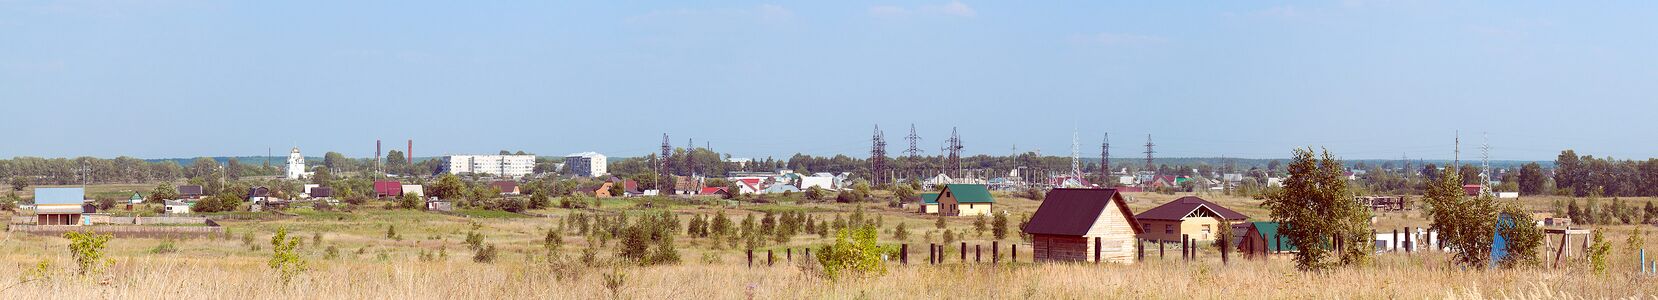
(1118, 39)
(770, 13)
(952, 9)
(888, 11)
(955, 8)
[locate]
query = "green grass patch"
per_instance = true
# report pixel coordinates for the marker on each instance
(481, 213)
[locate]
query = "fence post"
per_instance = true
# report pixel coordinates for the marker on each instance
(1139, 250)
(769, 258)
(904, 254)
(1184, 241)
(1160, 254)
(750, 258)
(1225, 252)
(1395, 240)
(1410, 243)
(808, 253)
(931, 253)
(976, 256)
(1280, 240)
(963, 252)
(789, 253)
(996, 252)
(1013, 256)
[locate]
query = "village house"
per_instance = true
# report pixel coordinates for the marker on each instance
(601, 190)
(965, 200)
(1071, 222)
(1189, 216)
(60, 206)
(176, 207)
(721, 192)
(506, 187)
(417, 190)
(189, 192)
(387, 189)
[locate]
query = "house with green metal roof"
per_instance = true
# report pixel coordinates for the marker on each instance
(1263, 239)
(929, 203)
(965, 200)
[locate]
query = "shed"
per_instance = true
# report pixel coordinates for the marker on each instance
(136, 198)
(322, 192)
(1071, 222)
(1189, 216)
(965, 200)
(60, 206)
(929, 203)
(1262, 239)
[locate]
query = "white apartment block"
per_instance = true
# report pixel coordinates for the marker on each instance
(498, 165)
(587, 164)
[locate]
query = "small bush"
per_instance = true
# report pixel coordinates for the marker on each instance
(88, 250)
(165, 247)
(485, 254)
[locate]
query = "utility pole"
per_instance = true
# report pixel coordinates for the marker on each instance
(914, 152)
(1105, 161)
(953, 162)
(1149, 165)
(878, 157)
(662, 165)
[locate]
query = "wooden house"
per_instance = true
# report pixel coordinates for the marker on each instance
(188, 192)
(387, 189)
(965, 200)
(1190, 216)
(1083, 225)
(506, 187)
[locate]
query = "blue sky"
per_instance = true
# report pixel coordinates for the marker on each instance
(1367, 79)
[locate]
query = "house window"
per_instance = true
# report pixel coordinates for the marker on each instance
(1169, 229)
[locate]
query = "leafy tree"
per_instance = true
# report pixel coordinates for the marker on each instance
(900, 232)
(88, 250)
(449, 187)
(1531, 179)
(980, 224)
(1599, 252)
(162, 191)
(904, 193)
(409, 201)
(1651, 213)
(1464, 224)
(853, 255)
(722, 224)
(1317, 210)
(939, 221)
(998, 226)
(814, 193)
(285, 258)
(1523, 240)
(18, 183)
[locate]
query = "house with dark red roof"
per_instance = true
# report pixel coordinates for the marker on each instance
(715, 191)
(388, 189)
(1083, 225)
(1190, 216)
(506, 187)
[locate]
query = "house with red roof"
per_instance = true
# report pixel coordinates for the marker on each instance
(1190, 216)
(506, 187)
(714, 191)
(1083, 225)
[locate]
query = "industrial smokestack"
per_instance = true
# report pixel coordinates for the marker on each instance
(411, 152)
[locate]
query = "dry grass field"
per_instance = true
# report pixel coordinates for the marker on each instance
(372, 266)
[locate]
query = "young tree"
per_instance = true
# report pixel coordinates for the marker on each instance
(88, 250)
(1464, 224)
(900, 233)
(980, 224)
(1317, 210)
(854, 254)
(939, 221)
(285, 257)
(998, 227)
(722, 224)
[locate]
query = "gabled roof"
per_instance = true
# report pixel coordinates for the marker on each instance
(969, 193)
(76, 196)
(189, 190)
(505, 186)
(1073, 211)
(1180, 208)
(712, 190)
(929, 198)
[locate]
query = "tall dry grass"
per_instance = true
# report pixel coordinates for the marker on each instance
(1391, 276)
